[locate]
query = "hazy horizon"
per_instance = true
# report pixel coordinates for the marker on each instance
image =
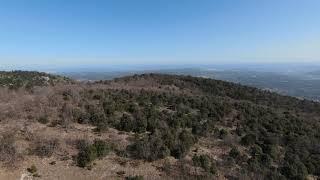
(266, 67)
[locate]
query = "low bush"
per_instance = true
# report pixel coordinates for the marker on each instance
(234, 153)
(223, 133)
(88, 153)
(43, 119)
(45, 147)
(33, 171)
(205, 162)
(248, 139)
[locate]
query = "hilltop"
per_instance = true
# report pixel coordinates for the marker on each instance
(156, 126)
(29, 79)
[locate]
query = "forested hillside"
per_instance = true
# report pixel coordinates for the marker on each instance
(157, 126)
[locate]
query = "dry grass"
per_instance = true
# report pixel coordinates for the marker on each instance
(8, 153)
(45, 147)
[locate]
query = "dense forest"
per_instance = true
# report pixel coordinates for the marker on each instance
(211, 128)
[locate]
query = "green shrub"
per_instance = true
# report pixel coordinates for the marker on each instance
(293, 168)
(234, 153)
(223, 133)
(254, 164)
(201, 161)
(271, 150)
(127, 123)
(205, 162)
(89, 153)
(43, 119)
(248, 139)
(255, 150)
(109, 108)
(266, 160)
(102, 148)
(33, 169)
(185, 141)
(96, 116)
(313, 164)
(86, 156)
(295, 171)
(162, 143)
(151, 148)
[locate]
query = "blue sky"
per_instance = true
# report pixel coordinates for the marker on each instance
(80, 32)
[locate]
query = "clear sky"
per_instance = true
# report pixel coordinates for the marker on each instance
(73, 32)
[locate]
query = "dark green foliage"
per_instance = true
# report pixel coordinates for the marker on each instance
(248, 139)
(97, 117)
(159, 145)
(255, 150)
(271, 150)
(294, 169)
(88, 153)
(151, 147)
(234, 153)
(234, 91)
(223, 133)
(138, 123)
(201, 161)
(126, 123)
(312, 164)
(168, 122)
(43, 119)
(86, 156)
(265, 159)
(185, 141)
(205, 162)
(109, 108)
(102, 148)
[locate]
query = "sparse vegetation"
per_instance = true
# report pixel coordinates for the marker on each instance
(45, 147)
(8, 152)
(33, 171)
(29, 79)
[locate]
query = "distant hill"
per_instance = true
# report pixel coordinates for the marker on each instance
(301, 85)
(158, 126)
(28, 79)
